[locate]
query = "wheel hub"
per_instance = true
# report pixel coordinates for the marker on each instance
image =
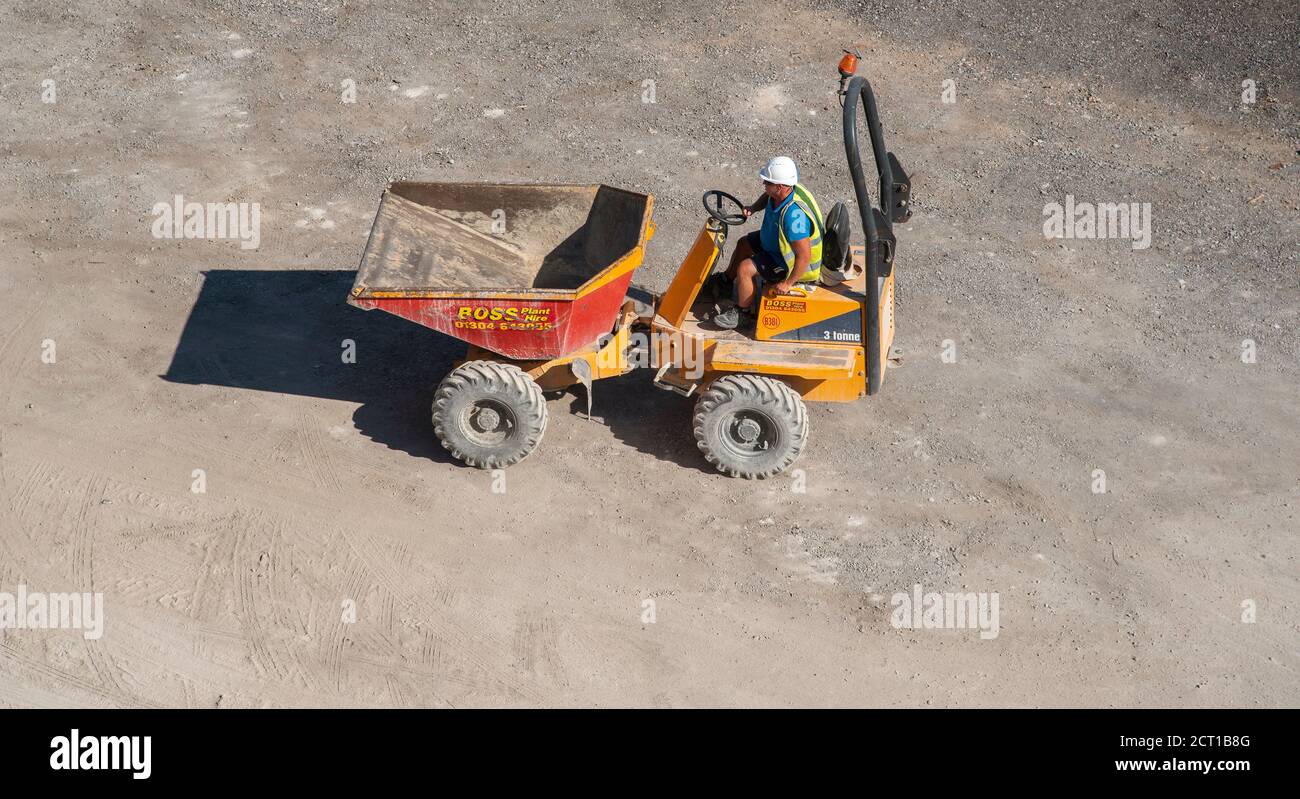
(748, 430)
(487, 420)
(749, 433)
(488, 423)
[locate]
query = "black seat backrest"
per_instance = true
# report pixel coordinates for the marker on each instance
(835, 238)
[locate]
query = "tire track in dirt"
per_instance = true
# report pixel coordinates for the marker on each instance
(42, 475)
(105, 682)
(283, 453)
(426, 501)
(315, 454)
(397, 696)
(388, 621)
(354, 585)
(258, 557)
(211, 577)
(250, 572)
(213, 572)
(293, 629)
(242, 477)
(476, 663)
(8, 367)
(83, 577)
(170, 513)
(66, 510)
(58, 676)
(480, 651)
(430, 682)
(36, 475)
(20, 694)
(430, 655)
(17, 530)
(534, 642)
(4, 479)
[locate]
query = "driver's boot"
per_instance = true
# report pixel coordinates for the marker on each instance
(731, 316)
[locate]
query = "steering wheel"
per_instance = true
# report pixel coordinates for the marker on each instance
(715, 207)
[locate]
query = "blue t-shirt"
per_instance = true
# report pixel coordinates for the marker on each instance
(797, 226)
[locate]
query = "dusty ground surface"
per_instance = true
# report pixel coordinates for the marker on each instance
(324, 483)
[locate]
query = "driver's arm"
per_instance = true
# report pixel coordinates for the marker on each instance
(757, 205)
(802, 259)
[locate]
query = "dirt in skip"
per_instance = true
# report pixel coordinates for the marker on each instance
(1076, 361)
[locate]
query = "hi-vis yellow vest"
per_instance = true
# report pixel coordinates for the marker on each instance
(805, 200)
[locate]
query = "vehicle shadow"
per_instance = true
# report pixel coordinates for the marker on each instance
(284, 331)
(644, 417)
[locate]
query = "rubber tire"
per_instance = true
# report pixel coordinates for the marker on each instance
(745, 392)
(503, 383)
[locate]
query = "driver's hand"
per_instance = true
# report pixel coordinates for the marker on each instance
(746, 212)
(784, 287)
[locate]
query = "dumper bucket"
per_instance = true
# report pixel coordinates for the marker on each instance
(527, 271)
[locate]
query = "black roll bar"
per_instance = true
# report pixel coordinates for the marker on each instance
(858, 89)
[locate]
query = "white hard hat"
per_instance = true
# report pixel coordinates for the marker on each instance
(780, 170)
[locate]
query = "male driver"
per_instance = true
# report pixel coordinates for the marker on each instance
(785, 251)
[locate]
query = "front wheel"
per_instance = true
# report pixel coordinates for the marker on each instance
(750, 426)
(489, 414)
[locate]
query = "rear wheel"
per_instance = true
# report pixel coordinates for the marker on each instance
(750, 426)
(489, 414)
